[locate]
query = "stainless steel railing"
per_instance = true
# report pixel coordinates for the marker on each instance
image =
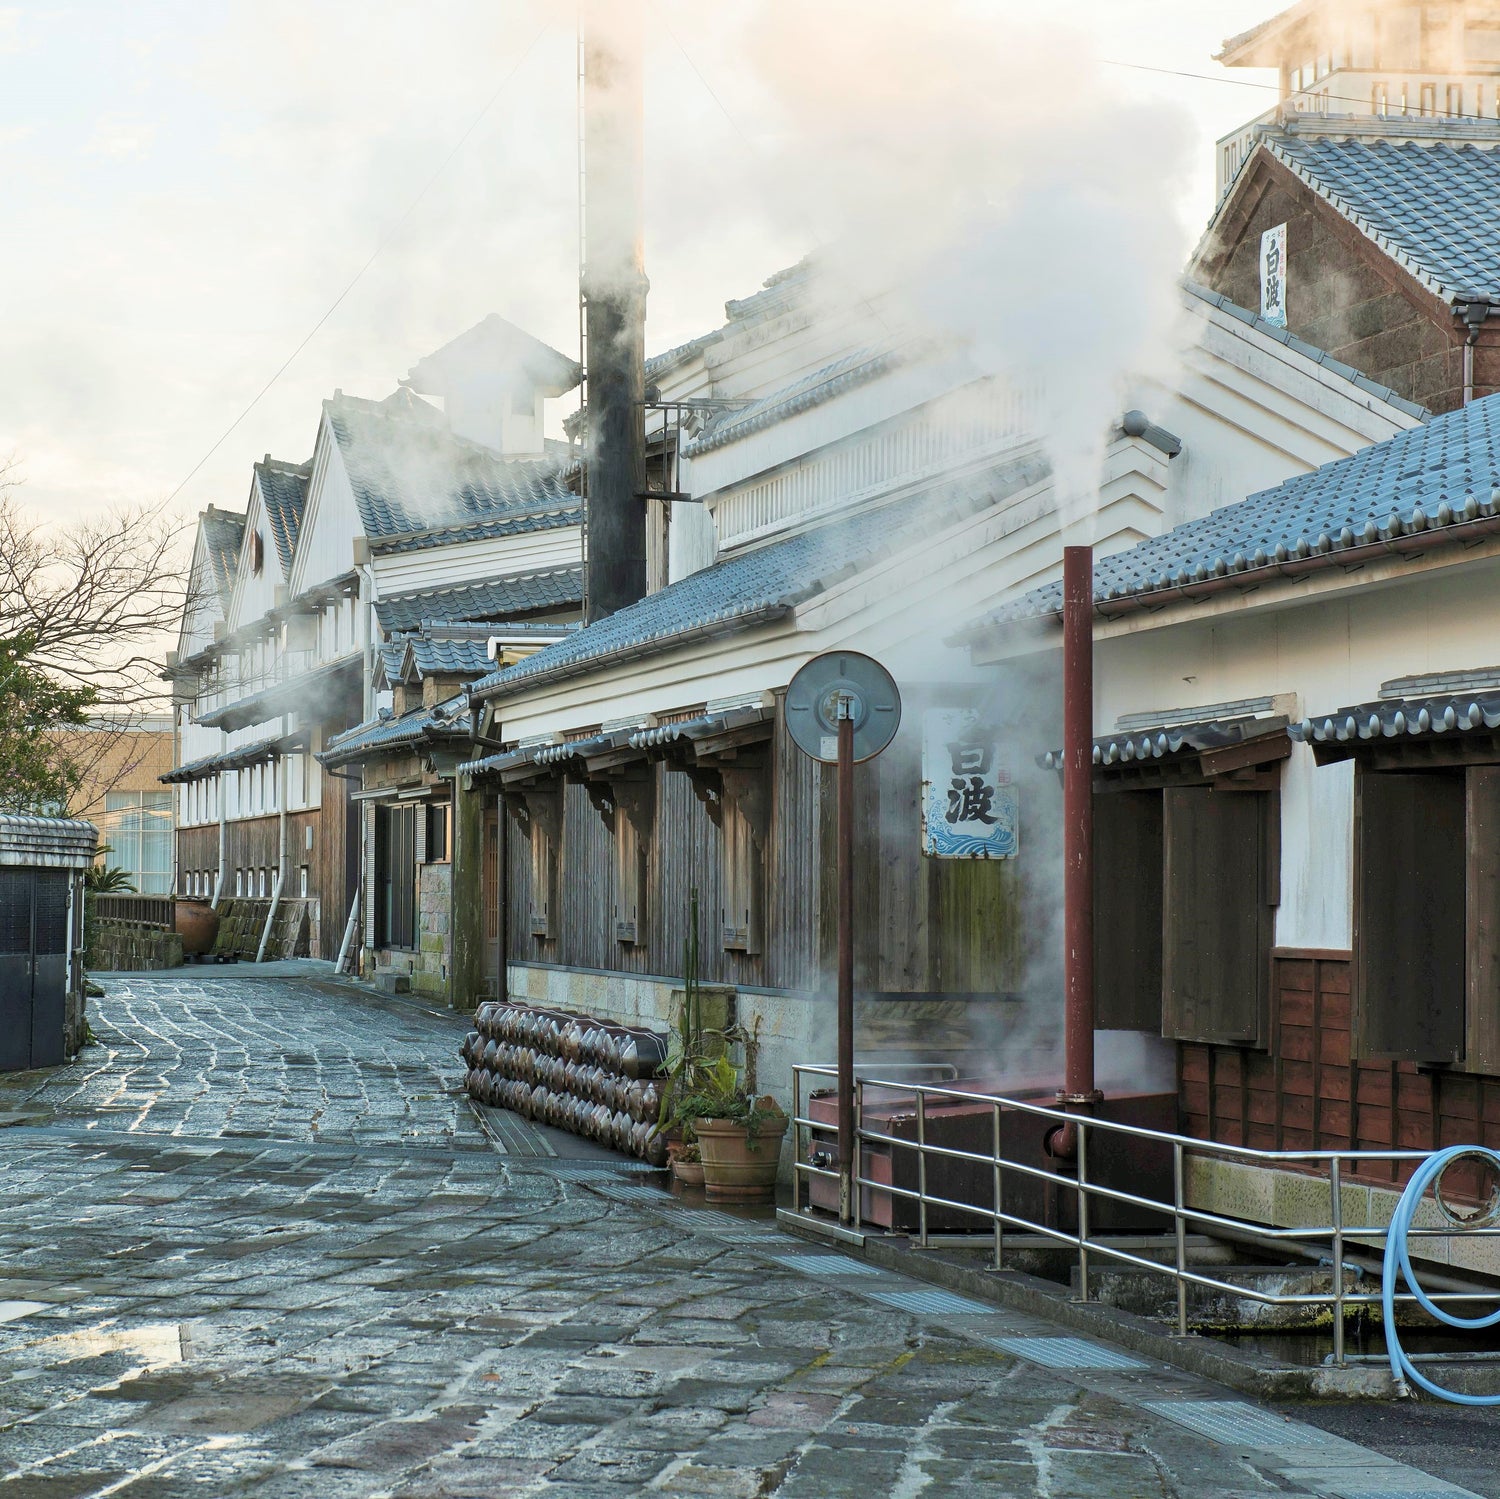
(1320, 1242)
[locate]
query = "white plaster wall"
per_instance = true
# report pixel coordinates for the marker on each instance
(1332, 651)
(474, 561)
(1252, 412)
(330, 522)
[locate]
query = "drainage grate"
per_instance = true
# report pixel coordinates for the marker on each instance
(631, 1192)
(1066, 1353)
(944, 1303)
(825, 1266)
(726, 1225)
(1238, 1424)
(589, 1170)
(1400, 1489)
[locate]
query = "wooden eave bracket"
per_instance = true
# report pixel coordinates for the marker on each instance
(536, 806)
(748, 787)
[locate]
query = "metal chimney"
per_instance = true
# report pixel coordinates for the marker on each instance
(613, 287)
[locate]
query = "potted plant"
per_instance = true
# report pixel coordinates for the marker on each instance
(738, 1131)
(687, 1163)
(709, 1109)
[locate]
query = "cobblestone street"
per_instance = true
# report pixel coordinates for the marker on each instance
(256, 1242)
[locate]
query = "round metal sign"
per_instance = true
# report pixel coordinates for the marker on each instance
(868, 692)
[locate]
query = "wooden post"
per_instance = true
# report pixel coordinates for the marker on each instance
(848, 1146)
(466, 898)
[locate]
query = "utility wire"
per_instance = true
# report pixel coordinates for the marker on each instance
(385, 239)
(1275, 88)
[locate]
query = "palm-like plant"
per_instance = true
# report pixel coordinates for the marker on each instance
(107, 879)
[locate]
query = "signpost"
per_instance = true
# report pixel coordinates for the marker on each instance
(841, 708)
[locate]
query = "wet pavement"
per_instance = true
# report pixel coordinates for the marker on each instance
(256, 1242)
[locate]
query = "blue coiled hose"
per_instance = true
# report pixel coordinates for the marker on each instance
(1398, 1264)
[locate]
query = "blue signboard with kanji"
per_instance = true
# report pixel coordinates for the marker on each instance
(969, 806)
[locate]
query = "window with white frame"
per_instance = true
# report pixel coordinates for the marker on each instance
(137, 829)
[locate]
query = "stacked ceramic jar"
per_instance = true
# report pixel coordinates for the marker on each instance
(569, 1071)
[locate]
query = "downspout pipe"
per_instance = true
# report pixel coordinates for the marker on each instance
(1078, 1093)
(1474, 315)
(265, 935)
(221, 791)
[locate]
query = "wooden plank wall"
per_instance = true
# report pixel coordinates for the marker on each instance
(684, 854)
(1305, 1092)
(923, 926)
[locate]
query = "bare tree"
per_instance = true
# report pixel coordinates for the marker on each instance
(92, 604)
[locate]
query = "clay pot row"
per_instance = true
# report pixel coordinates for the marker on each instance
(596, 1121)
(631, 1050)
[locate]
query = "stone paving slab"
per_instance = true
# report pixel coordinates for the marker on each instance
(352, 1289)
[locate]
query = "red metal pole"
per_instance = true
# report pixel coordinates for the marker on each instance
(1078, 1090)
(848, 1165)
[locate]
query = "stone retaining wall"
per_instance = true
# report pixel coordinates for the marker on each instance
(127, 947)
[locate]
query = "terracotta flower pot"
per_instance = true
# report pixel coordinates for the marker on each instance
(732, 1171)
(689, 1173)
(197, 924)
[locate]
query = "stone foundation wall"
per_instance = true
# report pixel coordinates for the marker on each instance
(1292, 1199)
(793, 1027)
(125, 947)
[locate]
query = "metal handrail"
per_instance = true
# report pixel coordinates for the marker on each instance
(1336, 1234)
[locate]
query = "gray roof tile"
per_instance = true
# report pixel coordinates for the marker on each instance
(799, 395)
(410, 474)
(46, 842)
(761, 584)
(223, 536)
(1435, 208)
(1429, 477)
(1401, 718)
(384, 733)
(495, 598)
(438, 649)
(283, 492)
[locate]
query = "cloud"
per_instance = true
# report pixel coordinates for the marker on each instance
(120, 138)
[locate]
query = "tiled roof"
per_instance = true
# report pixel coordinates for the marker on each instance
(759, 585)
(1443, 474)
(496, 598)
(410, 474)
(283, 492)
(1367, 725)
(440, 650)
(223, 536)
(1433, 208)
(379, 735)
(231, 759)
(797, 396)
(778, 293)
(46, 842)
(1307, 350)
(1158, 741)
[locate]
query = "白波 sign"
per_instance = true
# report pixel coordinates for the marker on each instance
(968, 799)
(1273, 275)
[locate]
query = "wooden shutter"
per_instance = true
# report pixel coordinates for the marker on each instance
(403, 877)
(382, 922)
(634, 809)
(1219, 893)
(1127, 910)
(543, 880)
(1482, 1048)
(743, 882)
(1410, 915)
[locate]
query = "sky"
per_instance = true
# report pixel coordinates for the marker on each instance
(191, 189)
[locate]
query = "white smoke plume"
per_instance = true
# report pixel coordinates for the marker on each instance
(989, 184)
